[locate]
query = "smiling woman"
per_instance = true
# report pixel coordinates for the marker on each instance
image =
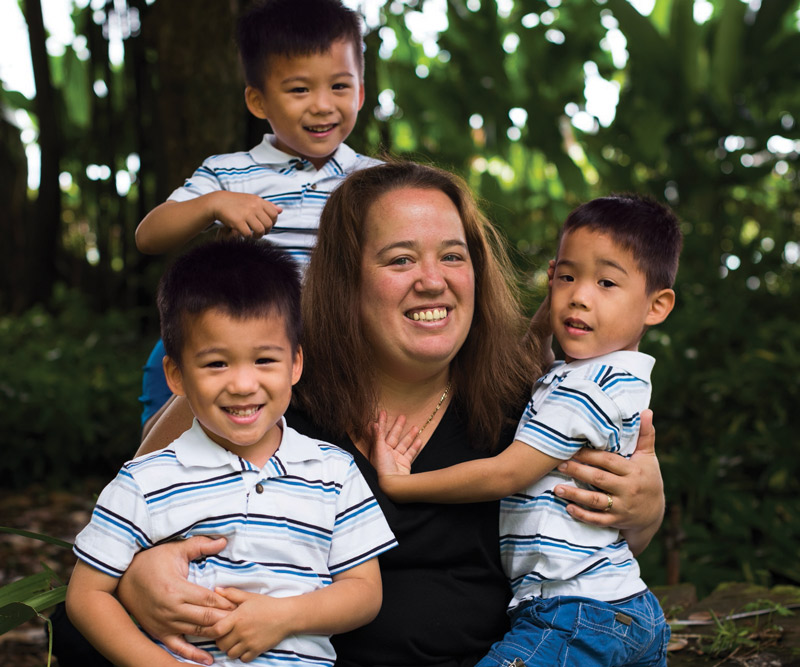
(396, 241)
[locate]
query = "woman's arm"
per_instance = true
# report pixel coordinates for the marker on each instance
(634, 485)
(156, 591)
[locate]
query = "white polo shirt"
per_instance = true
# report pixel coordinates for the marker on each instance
(305, 516)
(287, 181)
(591, 403)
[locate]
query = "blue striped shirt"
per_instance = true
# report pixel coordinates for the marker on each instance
(589, 403)
(306, 516)
(287, 181)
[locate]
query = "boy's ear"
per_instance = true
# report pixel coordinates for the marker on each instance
(297, 365)
(361, 95)
(172, 373)
(661, 305)
(256, 102)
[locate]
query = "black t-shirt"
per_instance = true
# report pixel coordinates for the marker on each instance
(444, 589)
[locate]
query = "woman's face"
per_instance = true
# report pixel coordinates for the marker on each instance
(417, 282)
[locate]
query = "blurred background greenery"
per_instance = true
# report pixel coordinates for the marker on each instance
(540, 105)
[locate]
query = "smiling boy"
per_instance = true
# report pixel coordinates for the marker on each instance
(578, 598)
(303, 531)
(304, 67)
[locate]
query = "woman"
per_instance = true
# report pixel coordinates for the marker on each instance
(409, 308)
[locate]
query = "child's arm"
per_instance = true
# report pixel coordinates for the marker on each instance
(479, 480)
(171, 224)
(100, 617)
(261, 622)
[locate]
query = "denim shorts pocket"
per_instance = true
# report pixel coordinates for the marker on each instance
(600, 627)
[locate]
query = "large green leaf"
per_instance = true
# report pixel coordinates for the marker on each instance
(22, 600)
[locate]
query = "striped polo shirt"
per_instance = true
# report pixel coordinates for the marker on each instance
(286, 180)
(588, 403)
(306, 516)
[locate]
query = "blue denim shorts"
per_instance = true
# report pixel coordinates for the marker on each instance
(574, 631)
(155, 391)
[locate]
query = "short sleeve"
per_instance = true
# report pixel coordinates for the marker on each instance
(577, 413)
(360, 530)
(118, 529)
(202, 182)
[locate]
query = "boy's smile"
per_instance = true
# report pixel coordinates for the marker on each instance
(237, 375)
(599, 299)
(311, 101)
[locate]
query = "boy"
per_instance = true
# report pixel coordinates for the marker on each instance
(304, 66)
(578, 598)
(302, 528)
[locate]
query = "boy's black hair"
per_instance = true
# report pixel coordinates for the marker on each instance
(650, 230)
(293, 28)
(243, 278)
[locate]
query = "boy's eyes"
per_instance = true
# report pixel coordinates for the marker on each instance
(215, 364)
(606, 283)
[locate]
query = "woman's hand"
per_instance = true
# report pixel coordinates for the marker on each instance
(632, 496)
(156, 591)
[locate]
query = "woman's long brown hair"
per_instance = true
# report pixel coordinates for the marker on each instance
(492, 372)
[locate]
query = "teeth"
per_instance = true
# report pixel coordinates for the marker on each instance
(247, 412)
(575, 325)
(430, 315)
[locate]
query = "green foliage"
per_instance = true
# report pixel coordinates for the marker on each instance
(69, 382)
(29, 597)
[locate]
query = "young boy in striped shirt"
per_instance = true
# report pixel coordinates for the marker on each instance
(302, 529)
(578, 598)
(304, 67)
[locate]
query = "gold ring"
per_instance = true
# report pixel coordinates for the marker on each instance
(610, 503)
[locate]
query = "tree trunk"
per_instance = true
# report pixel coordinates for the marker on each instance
(44, 231)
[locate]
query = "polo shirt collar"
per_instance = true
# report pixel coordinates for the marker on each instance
(195, 448)
(266, 153)
(638, 364)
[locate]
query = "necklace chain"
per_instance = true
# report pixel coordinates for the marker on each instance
(436, 409)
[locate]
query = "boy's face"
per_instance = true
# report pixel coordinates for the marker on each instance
(310, 101)
(237, 376)
(599, 301)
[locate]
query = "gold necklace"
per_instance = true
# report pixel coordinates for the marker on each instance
(436, 409)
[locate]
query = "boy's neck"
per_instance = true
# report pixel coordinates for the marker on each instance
(569, 360)
(318, 163)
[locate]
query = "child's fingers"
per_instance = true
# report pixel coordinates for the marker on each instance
(408, 440)
(395, 433)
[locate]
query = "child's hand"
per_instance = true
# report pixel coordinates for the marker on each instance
(394, 450)
(244, 214)
(258, 624)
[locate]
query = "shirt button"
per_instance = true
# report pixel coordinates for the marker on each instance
(259, 488)
(313, 186)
